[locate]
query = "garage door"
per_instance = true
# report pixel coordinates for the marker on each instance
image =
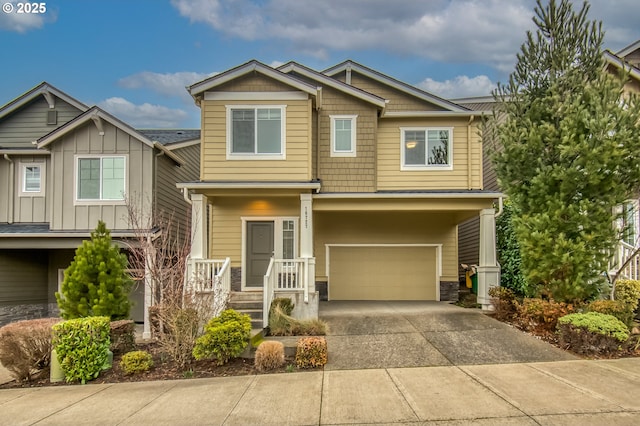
(382, 273)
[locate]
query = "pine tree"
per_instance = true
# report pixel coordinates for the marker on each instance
(96, 282)
(571, 150)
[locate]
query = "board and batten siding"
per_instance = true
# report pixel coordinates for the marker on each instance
(85, 140)
(27, 208)
(29, 123)
(169, 200)
(391, 177)
(387, 228)
(226, 221)
(295, 167)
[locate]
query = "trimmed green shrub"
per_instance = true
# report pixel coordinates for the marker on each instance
(136, 362)
(25, 347)
(96, 283)
(82, 347)
(224, 337)
(592, 333)
(269, 355)
(508, 251)
(311, 352)
(616, 308)
(628, 292)
(284, 303)
(541, 316)
(122, 336)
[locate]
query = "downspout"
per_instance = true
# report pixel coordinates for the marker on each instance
(12, 180)
(500, 206)
(469, 184)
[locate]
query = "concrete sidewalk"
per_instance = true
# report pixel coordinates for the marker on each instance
(567, 393)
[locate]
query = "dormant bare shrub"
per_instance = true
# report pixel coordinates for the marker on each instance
(25, 346)
(160, 257)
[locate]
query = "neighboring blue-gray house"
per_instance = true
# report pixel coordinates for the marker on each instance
(63, 167)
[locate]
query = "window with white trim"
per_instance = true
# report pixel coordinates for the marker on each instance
(630, 222)
(255, 131)
(426, 148)
(100, 178)
(32, 179)
(343, 135)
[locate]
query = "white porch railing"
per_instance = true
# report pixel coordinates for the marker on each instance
(284, 275)
(623, 254)
(209, 276)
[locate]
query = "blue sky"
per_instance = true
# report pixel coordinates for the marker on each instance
(134, 57)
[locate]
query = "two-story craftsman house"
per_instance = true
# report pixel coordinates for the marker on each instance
(345, 184)
(63, 167)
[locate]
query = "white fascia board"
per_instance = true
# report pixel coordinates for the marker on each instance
(248, 185)
(225, 77)
(183, 144)
(338, 85)
(434, 114)
(256, 96)
(629, 49)
(619, 63)
(176, 158)
(475, 100)
(396, 84)
(415, 195)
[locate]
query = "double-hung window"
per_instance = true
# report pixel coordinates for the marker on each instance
(343, 135)
(426, 148)
(255, 132)
(32, 179)
(100, 178)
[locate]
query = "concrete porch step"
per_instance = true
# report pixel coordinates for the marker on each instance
(249, 303)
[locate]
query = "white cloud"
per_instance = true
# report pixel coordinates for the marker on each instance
(461, 86)
(462, 31)
(23, 22)
(145, 115)
(169, 84)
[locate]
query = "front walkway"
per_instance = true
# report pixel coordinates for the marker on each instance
(424, 334)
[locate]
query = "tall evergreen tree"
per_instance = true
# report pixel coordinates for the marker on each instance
(571, 152)
(96, 282)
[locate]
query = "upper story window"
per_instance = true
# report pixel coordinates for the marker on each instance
(100, 178)
(32, 179)
(426, 148)
(255, 132)
(343, 135)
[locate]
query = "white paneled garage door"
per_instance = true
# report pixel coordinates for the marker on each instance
(383, 272)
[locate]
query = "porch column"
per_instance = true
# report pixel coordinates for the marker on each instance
(148, 288)
(199, 237)
(488, 269)
(306, 238)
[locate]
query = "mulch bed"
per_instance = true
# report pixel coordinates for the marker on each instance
(165, 369)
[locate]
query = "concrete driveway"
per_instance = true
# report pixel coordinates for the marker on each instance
(419, 334)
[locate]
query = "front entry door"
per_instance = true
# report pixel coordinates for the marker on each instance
(259, 251)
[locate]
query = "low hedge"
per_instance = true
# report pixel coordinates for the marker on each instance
(592, 333)
(225, 337)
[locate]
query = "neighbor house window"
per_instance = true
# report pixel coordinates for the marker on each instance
(254, 131)
(426, 148)
(630, 223)
(32, 175)
(101, 178)
(343, 135)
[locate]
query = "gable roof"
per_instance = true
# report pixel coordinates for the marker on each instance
(96, 114)
(169, 137)
(620, 63)
(350, 65)
(246, 68)
(42, 89)
(333, 83)
(629, 49)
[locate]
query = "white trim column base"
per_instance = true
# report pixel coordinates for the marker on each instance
(199, 237)
(488, 276)
(488, 269)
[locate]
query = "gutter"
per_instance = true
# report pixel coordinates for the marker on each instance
(12, 188)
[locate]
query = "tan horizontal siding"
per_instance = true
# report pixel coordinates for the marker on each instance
(391, 177)
(296, 165)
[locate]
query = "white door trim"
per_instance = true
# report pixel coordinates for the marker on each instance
(438, 260)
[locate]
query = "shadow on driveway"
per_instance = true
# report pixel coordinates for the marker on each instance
(420, 334)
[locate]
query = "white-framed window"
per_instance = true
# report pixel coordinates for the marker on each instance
(630, 222)
(426, 148)
(256, 132)
(100, 178)
(32, 179)
(343, 135)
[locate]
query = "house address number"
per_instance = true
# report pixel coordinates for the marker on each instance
(32, 8)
